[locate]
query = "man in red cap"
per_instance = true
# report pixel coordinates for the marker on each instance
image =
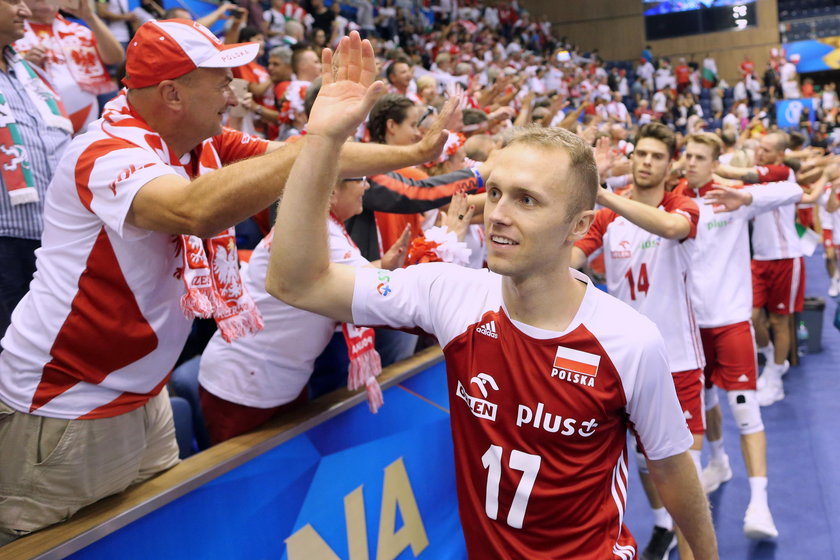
(138, 240)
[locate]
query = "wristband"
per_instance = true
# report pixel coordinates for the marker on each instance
(478, 177)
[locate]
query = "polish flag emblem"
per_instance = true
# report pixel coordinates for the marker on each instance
(570, 359)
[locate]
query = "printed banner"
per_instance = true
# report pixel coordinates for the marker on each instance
(356, 487)
(815, 55)
(789, 112)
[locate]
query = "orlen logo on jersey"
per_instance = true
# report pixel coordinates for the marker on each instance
(575, 366)
(553, 422)
(481, 408)
(624, 252)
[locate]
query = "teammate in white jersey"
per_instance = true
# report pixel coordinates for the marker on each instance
(830, 223)
(777, 266)
(720, 291)
(544, 372)
(648, 240)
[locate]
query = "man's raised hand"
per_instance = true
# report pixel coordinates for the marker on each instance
(348, 89)
(435, 138)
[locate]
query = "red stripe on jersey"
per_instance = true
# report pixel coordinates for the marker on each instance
(104, 331)
(126, 402)
(572, 365)
(430, 193)
(692, 323)
(86, 161)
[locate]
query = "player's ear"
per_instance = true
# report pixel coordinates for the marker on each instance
(580, 225)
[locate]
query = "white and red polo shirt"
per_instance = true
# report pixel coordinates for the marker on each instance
(101, 327)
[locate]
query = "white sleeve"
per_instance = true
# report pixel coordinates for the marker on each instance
(772, 195)
(115, 179)
(440, 298)
(652, 402)
(341, 250)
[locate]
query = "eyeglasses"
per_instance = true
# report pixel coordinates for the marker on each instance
(429, 111)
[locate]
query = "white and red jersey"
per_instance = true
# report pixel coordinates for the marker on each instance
(774, 233)
(829, 220)
(101, 327)
(720, 277)
(650, 273)
(271, 367)
(539, 418)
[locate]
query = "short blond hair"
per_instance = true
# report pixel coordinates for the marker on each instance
(424, 81)
(582, 179)
(707, 139)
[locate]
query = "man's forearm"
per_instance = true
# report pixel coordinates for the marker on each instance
(254, 184)
(658, 222)
(679, 488)
(359, 159)
(110, 50)
(746, 174)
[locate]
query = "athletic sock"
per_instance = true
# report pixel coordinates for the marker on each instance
(773, 371)
(767, 351)
(695, 456)
(758, 491)
(661, 518)
(717, 450)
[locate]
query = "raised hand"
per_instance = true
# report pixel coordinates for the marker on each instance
(603, 156)
(348, 89)
(435, 138)
(457, 218)
(727, 199)
(395, 256)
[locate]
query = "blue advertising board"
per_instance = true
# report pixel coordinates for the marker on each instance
(356, 487)
(789, 112)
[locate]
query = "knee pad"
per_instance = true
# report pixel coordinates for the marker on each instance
(641, 460)
(710, 398)
(745, 409)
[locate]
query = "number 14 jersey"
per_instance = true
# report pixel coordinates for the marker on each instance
(650, 273)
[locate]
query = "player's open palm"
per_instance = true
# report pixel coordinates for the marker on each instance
(348, 89)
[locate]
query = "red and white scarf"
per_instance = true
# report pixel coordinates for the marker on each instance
(365, 363)
(211, 266)
(78, 49)
(15, 166)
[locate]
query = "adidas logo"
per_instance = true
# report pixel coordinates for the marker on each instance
(743, 378)
(488, 329)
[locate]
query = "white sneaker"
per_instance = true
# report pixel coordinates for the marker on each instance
(758, 523)
(833, 288)
(716, 473)
(772, 391)
(784, 367)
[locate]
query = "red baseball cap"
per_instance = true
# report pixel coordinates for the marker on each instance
(170, 48)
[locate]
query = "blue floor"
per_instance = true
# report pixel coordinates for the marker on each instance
(803, 460)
